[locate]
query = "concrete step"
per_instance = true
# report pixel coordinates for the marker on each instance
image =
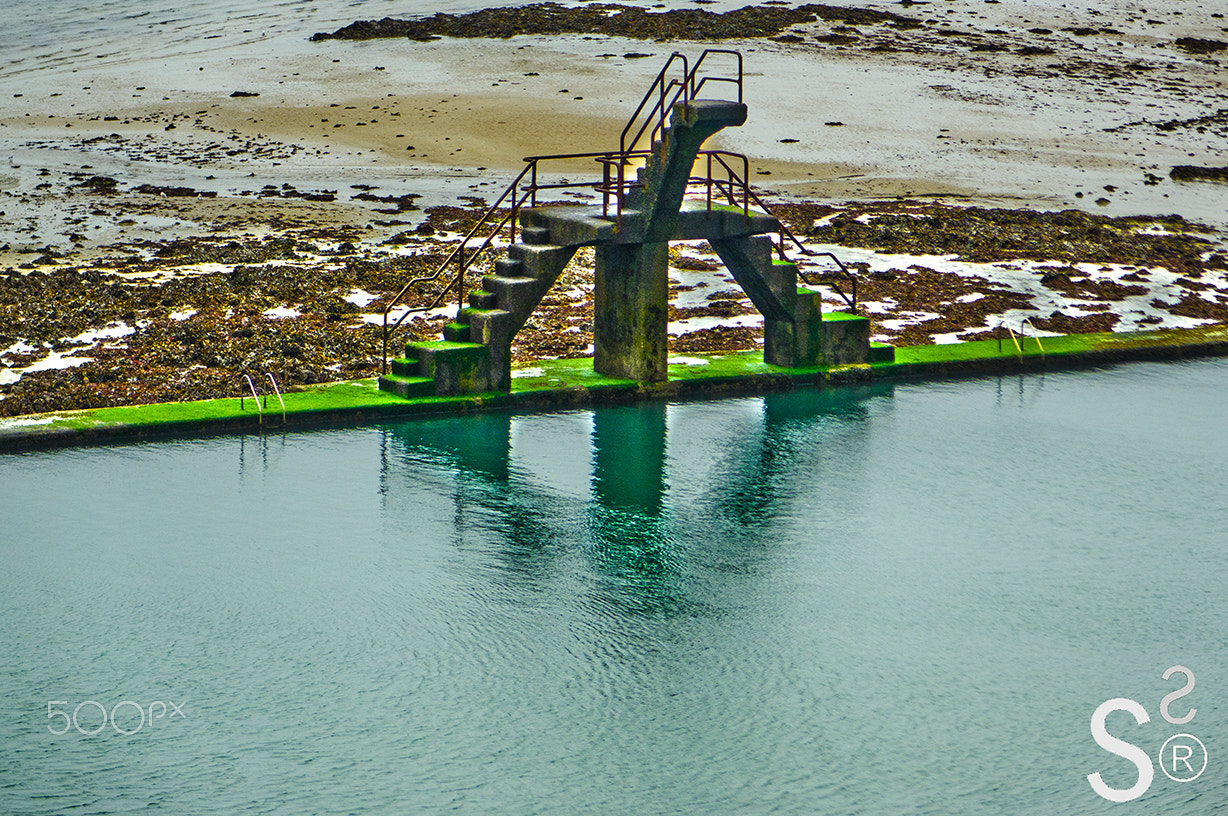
(405, 367)
(481, 299)
(455, 368)
(509, 267)
(456, 332)
(502, 287)
(538, 257)
(570, 226)
(486, 324)
(881, 353)
(535, 235)
(407, 387)
(722, 221)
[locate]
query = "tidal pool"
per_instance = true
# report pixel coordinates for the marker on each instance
(904, 599)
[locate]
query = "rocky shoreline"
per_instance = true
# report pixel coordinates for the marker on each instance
(163, 233)
(615, 20)
(865, 30)
(187, 318)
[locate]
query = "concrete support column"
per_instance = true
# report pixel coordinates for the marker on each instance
(631, 307)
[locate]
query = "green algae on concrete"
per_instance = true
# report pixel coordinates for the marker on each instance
(553, 384)
(997, 349)
(548, 375)
(341, 395)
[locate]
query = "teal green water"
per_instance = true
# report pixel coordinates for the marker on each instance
(882, 601)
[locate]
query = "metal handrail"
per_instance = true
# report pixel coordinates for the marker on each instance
(455, 254)
(277, 391)
(748, 195)
(694, 93)
(1018, 348)
(683, 90)
(659, 109)
(255, 398)
(844, 270)
(514, 198)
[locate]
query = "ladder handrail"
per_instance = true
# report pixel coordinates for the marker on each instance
(277, 391)
(748, 194)
(255, 398)
(1027, 321)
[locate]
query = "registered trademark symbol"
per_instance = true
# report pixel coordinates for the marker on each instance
(1176, 754)
(1182, 757)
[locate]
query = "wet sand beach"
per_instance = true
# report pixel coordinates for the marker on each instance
(169, 221)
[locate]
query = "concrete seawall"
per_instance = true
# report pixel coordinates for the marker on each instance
(563, 384)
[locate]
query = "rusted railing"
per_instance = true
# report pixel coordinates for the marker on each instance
(696, 86)
(670, 91)
(734, 185)
(520, 193)
(676, 82)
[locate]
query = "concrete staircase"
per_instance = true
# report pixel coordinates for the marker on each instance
(631, 277)
(549, 237)
(664, 177)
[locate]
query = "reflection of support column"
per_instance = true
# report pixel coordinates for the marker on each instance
(631, 301)
(478, 444)
(629, 454)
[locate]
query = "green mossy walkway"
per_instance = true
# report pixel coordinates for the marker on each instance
(556, 384)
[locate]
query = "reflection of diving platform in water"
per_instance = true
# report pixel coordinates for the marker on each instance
(629, 488)
(630, 233)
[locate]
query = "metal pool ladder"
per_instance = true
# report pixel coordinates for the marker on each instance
(256, 398)
(1014, 339)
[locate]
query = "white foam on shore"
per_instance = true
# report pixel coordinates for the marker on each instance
(360, 297)
(281, 312)
(54, 360)
(25, 422)
(398, 312)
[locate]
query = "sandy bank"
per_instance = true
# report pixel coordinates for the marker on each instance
(330, 168)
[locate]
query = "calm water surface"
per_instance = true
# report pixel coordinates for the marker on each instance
(893, 600)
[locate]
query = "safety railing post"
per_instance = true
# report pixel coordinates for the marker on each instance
(383, 358)
(746, 187)
(660, 114)
(618, 194)
(709, 184)
(511, 229)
